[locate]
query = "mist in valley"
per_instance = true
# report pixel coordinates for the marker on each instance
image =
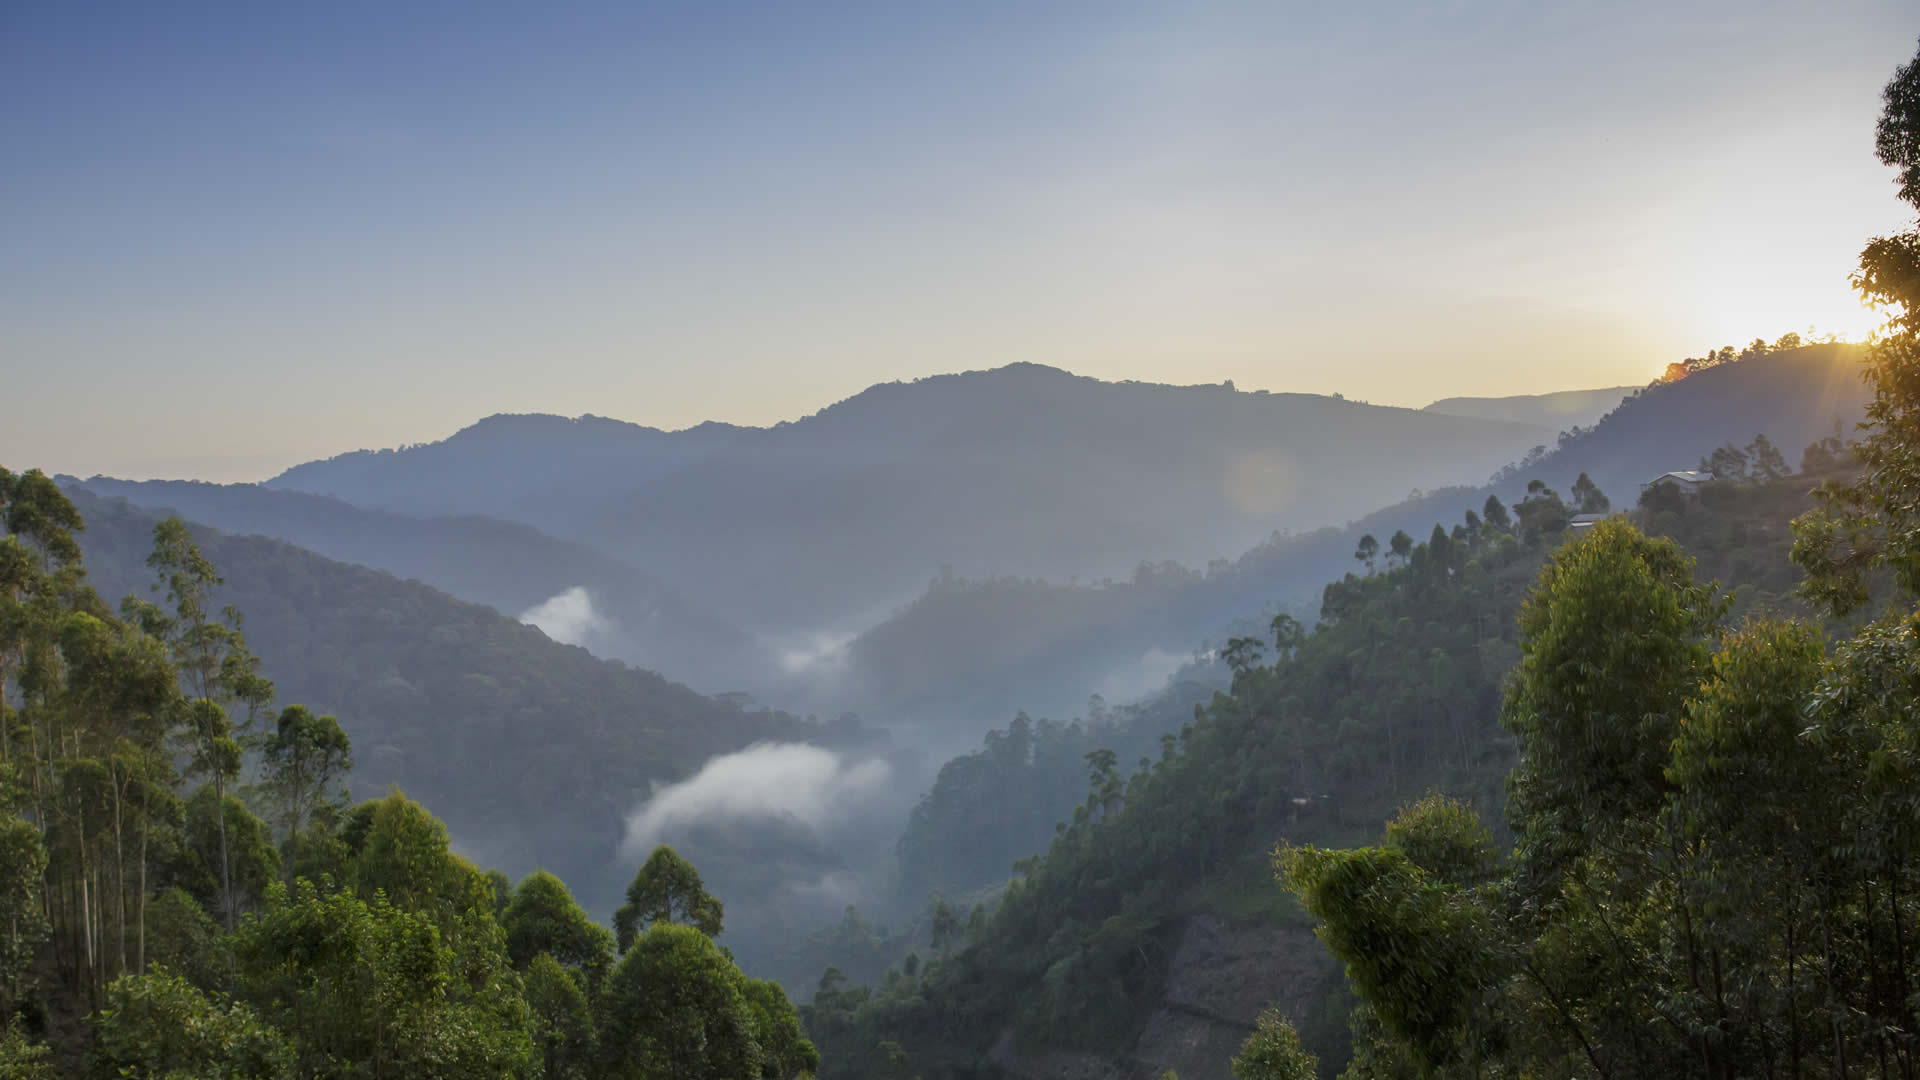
(958, 543)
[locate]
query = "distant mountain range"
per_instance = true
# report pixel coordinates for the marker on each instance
(989, 647)
(510, 567)
(826, 523)
(1556, 412)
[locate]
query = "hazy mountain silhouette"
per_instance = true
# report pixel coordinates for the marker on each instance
(1556, 412)
(823, 522)
(989, 647)
(508, 566)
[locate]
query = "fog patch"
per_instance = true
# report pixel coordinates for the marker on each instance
(792, 782)
(1260, 485)
(831, 891)
(568, 618)
(1145, 675)
(819, 653)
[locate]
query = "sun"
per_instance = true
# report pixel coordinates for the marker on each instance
(1750, 301)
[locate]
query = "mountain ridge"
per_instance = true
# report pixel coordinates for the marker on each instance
(1024, 470)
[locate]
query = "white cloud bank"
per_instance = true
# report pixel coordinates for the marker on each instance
(816, 787)
(568, 617)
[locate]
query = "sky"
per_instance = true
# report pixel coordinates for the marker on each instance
(234, 238)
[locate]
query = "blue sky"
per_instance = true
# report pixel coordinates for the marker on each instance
(240, 237)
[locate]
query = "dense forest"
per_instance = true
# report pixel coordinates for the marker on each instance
(190, 894)
(455, 702)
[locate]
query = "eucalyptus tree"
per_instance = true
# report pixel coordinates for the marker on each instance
(666, 888)
(216, 668)
(676, 1008)
(305, 756)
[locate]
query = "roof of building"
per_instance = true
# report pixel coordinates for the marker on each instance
(1685, 476)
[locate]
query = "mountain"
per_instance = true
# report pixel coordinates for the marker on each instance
(824, 524)
(1152, 932)
(513, 568)
(532, 751)
(990, 647)
(1559, 411)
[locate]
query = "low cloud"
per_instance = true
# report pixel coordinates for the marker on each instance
(1145, 675)
(767, 781)
(823, 652)
(569, 618)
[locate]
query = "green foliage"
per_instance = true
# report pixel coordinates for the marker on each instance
(1416, 948)
(360, 985)
(543, 919)
(406, 858)
(1445, 839)
(676, 1007)
(182, 938)
(23, 925)
(162, 1027)
(563, 1032)
(252, 857)
(1273, 1052)
(383, 958)
(666, 888)
(1873, 523)
(21, 1058)
(304, 757)
(785, 1051)
(1614, 641)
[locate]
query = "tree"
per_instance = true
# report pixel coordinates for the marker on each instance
(562, 1020)
(945, 926)
(217, 669)
(23, 925)
(543, 919)
(1873, 523)
(1273, 1052)
(675, 1007)
(1242, 655)
(162, 1026)
(666, 889)
(785, 1051)
(1288, 634)
(1401, 545)
(1494, 513)
(1541, 514)
(1769, 464)
(1613, 643)
(365, 988)
(1369, 547)
(1588, 498)
(1727, 462)
(305, 756)
(253, 860)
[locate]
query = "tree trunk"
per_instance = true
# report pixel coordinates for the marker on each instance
(120, 879)
(226, 874)
(140, 956)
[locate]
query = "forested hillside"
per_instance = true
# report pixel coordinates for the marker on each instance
(824, 523)
(991, 647)
(507, 566)
(189, 891)
(1667, 844)
(512, 738)
(1323, 736)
